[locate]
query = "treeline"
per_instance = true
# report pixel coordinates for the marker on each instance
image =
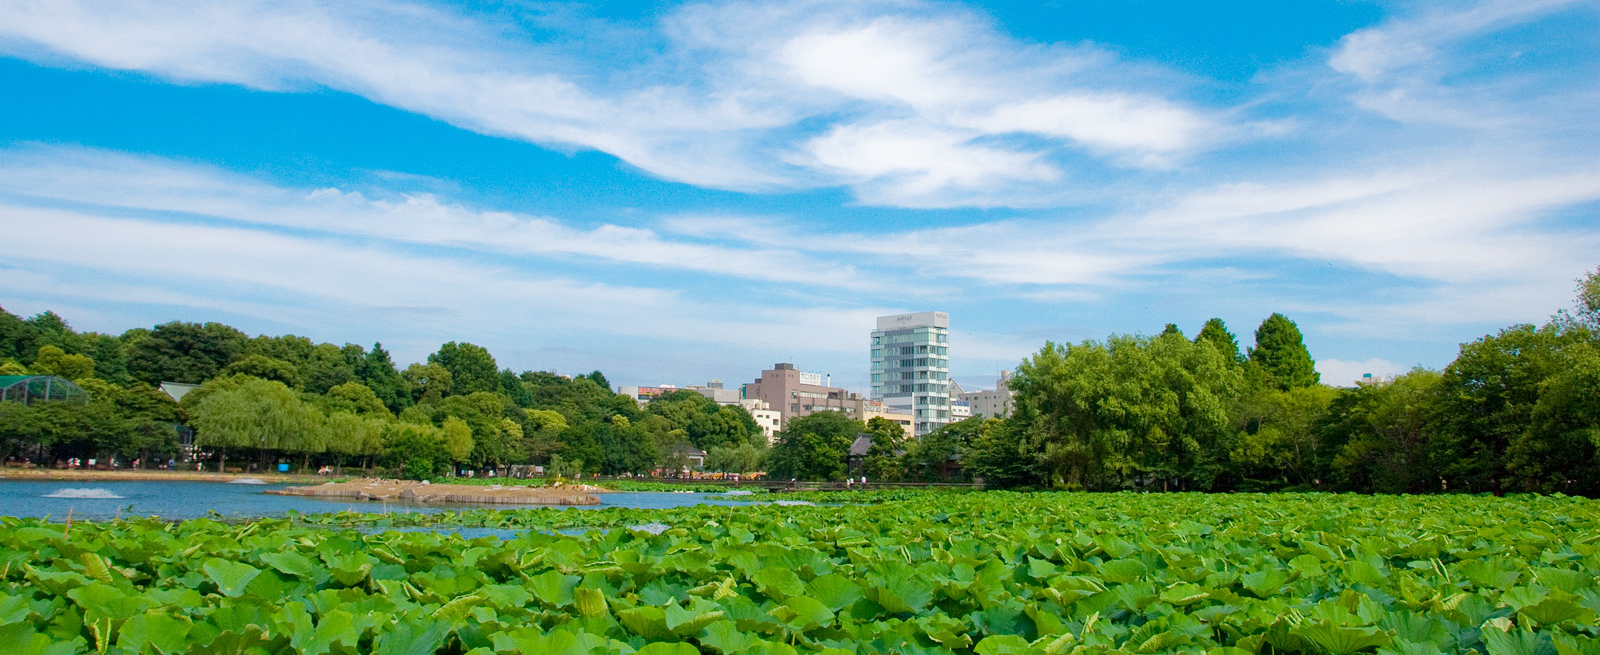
(1517, 411)
(286, 398)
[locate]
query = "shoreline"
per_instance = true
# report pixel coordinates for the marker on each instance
(407, 491)
(142, 475)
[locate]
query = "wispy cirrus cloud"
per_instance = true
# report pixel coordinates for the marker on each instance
(761, 96)
(147, 184)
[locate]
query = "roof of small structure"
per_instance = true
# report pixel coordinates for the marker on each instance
(177, 390)
(687, 450)
(861, 445)
(27, 389)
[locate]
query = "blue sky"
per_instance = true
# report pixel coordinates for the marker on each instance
(677, 192)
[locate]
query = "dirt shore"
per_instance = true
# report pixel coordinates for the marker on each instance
(140, 475)
(406, 491)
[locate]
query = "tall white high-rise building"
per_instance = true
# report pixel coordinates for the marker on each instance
(911, 367)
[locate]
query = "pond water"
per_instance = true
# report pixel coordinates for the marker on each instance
(100, 500)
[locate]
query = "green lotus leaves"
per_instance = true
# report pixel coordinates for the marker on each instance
(778, 583)
(902, 572)
(834, 591)
(349, 568)
(803, 613)
(156, 632)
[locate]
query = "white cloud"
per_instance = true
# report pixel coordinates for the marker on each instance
(1439, 67)
(1341, 373)
(149, 184)
(903, 162)
(1372, 53)
(751, 86)
(330, 288)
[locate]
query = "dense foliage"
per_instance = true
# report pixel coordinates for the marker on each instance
(1516, 411)
(987, 573)
(286, 398)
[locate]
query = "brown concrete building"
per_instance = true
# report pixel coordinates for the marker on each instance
(795, 393)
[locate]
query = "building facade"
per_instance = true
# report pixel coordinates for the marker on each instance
(876, 409)
(794, 393)
(993, 404)
(769, 420)
(911, 367)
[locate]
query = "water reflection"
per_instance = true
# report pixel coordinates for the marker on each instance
(186, 500)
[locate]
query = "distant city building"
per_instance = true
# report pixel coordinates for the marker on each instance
(992, 404)
(911, 367)
(712, 390)
(794, 393)
(646, 394)
(960, 410)
(1368, 378)
(876, 409)
(768, 419)
(717, 393)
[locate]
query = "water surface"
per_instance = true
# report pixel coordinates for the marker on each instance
(100, 500)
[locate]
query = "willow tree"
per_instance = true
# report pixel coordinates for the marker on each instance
(1132, 410)
(261, 415)
(356, 435)
(457, 438)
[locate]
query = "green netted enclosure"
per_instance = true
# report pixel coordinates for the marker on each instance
(30, 389)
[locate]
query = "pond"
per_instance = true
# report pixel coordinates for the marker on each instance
(100, 500)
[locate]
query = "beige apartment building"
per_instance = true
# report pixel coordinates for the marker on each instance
(794, 393)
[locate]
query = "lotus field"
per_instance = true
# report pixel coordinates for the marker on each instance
(989, 573)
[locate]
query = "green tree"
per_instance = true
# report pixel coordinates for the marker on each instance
(183, 352)
(416, 449)
(47, 329)
(624, 447)
(599, 379)
(1559, 451)
(457, 438)
(1216, 333)
(512, 388)
(13, 336)
(471, 367)
(428, 382)
(1585, 312)
(1486, 401)
(266, 368)
(932, 457)
(378, 373)
(109, 355)
(51, 360)
(704, 423)
(262, 415)
(327, 368)
(1280, 355)
(356, 398)
(882, 459)
(1134, 410)
(541, 433)
(814, 447)
(355, 435)
(1279, 443)
(1377, 436)
(741, 458)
